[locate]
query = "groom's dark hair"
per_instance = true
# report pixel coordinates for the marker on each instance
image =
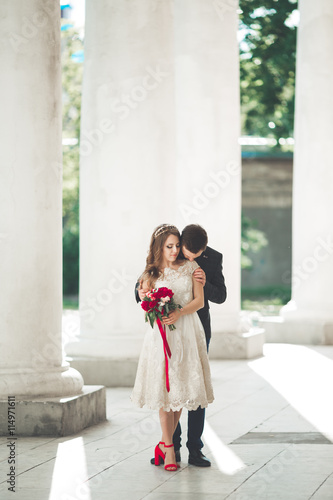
(194, 238)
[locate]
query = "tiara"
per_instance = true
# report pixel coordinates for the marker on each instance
(163, 229)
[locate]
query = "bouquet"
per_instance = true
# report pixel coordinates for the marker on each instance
(157, 303)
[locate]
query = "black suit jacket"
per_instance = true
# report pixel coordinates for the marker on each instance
(214, 291)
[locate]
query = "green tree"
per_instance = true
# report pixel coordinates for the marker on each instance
(267, 66)
(252, 240)
(71, 84)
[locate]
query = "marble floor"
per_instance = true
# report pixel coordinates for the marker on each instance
(268, 434)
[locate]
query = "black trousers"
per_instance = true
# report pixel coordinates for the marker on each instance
(195, 427)
(196, 422)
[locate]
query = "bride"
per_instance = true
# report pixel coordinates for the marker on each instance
(189, 372)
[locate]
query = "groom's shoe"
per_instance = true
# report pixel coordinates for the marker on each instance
(177, 453)
(196, 457)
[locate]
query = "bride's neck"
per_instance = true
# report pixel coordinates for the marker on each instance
(165, 264)
(169, 263)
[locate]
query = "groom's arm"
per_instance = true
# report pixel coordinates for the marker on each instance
(215, 289)
(137, 298)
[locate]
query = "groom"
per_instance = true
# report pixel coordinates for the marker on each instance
(194, 247)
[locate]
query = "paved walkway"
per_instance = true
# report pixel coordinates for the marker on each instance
(269, 435)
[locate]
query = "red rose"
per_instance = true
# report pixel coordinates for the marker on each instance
(165, 292)
(145, 304)
(157, 295)
(153, 304)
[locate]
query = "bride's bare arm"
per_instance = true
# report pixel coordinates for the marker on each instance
(197, 303)
(198, 299)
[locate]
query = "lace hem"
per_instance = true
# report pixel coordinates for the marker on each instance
(157, 405)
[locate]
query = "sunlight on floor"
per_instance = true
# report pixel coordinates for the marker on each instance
(303, 378)
(226, 460)
(70, 471)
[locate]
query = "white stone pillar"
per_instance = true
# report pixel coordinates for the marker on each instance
(209, 156)
(309, 316)
(160, 116)
(127, 176)
(31, 207)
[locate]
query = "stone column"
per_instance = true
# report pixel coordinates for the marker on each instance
(309, 316)
(31, 363)
(209, 156)
(160, 116)
(127, 176)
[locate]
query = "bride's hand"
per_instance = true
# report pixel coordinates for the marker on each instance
(172, 318)
(142, 293)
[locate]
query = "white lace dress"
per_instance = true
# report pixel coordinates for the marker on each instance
(189, 372)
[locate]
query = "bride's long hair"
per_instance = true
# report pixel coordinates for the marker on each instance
(155, 254)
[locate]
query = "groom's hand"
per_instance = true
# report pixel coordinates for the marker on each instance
(200, 276)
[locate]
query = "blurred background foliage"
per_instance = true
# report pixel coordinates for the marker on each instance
(267, 81)
(267, 67)
(71, 88)
(252, 240)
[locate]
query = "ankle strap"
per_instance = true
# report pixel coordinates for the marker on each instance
(168, 445)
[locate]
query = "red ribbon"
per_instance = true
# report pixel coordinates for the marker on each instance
(167, 352)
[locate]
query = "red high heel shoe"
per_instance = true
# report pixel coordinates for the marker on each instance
(159, 455)
(170, 467)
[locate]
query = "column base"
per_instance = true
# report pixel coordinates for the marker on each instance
(245, 345)
(55, 416)
(110, 372)
(59, 382)
(114, 347)
(298, 331)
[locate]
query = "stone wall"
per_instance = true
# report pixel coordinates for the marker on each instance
(267, 199)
